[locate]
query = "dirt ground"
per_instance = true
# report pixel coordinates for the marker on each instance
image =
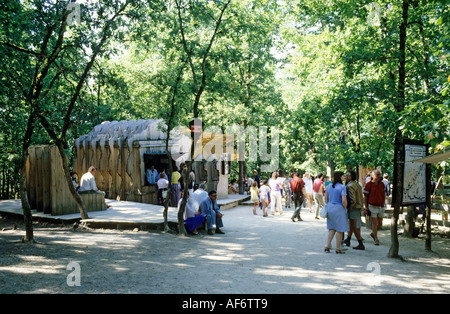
(256, 255)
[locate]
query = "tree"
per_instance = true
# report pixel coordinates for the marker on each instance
(370, 82)
(399, 152)
(199, 70)
(56, 42)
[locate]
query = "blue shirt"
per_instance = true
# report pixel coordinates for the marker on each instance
(151, 176)
(335, 194)
(207, 206)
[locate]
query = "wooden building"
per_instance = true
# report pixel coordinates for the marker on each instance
(122, 151)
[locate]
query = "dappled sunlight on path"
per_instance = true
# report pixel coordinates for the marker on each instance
(255, 255)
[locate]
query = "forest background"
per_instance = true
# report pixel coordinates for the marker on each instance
(329, 74)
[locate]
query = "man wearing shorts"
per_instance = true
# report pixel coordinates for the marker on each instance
(355, 204)
(374, 195)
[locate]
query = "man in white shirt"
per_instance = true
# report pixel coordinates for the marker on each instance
(308, 189)
(163, 185)
(275, 193)
(87, 182)
(197, 197)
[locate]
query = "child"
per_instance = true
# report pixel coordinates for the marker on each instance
(264, 192)
(254, 196)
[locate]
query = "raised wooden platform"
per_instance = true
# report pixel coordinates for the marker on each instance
(233, 200)
(120, 214)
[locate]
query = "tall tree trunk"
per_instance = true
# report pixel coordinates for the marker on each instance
(170, 122)
(26, 208)
(166, 201)
(398, 150)
(198, 90)
(397, 193)
(428, 212)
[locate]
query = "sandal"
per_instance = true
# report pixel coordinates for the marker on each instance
(327, 250)
(338, 251)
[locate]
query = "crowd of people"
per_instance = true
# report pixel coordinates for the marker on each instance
(344, 197)
(201, 206)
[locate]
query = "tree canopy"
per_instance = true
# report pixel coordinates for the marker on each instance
(326, 73)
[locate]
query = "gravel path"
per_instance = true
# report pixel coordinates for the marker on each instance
(257, 255)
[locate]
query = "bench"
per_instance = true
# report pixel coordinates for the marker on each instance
(93, 201)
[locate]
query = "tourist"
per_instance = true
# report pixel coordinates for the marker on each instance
(355, 204)
(211, 212)
(181, 179)
(233, 187)
(175, 194)
(73, 178)
(246, 185)
(326, 181)
(256, 178)
(254, 196)
(387, 184)
(368, 177)
(191, 180)
(281, 180)
(264, 193)
(198, 196)
(87, 182)
(151, 175)
(159, 175)
(337, 223)
(192, 218)
(163, 185)
(375, 196)
(319, 190)
(298, 194)
(309, 189)
(275, 194)
(287, 191)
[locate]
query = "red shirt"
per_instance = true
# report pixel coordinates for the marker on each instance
(375, 193)
(317, 184)
(297, 184)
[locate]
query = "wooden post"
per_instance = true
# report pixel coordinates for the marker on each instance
(428, 208)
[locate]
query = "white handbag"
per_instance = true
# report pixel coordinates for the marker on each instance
(323, 211)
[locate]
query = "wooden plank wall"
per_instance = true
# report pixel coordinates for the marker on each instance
(38, 181)
(62, 200)
(47, 187)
